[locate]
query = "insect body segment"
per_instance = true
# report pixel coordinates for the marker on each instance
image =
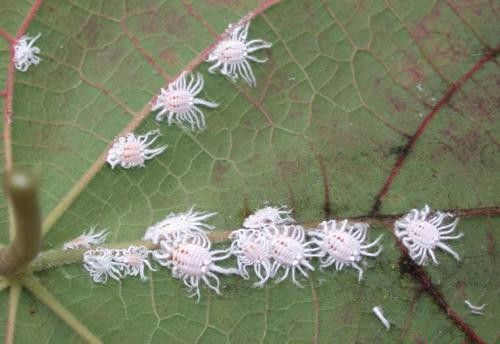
(232, 55)
(421, 231)
(131, 151)
(252, 248)
(178, 103)
(289, 250)
(343, 245)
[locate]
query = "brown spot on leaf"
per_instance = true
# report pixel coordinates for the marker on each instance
(491, 243)
(219, 171)
(398, 104)
(170, 57)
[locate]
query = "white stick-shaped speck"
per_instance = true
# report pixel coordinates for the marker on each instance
(378, 312)
(475, 309)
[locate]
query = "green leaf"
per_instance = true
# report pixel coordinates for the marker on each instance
(364, 109)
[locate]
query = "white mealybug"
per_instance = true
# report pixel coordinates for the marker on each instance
(101, 264)
(178, 103)
(132, 151)
(192, 261)
(268, 216)
(24, 53)
(252, 248)
(134, 260)
(290, 250)
(86, 239)
(232, 54)
(176, 225)
(421, 232)
(344, 245)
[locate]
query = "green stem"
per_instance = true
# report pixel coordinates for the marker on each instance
(22, 189)
(50, 301)
(55, 258)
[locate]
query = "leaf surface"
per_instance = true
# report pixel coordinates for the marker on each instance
(364, 109)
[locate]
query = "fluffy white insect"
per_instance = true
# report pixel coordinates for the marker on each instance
(232, 54)
(132, 151)
(86, 239)
(268, 216)
(252, 248)
(344, 245)
(24, 53)
(422, 231)
(192, 261)
(134, 260)
(176, 225)
(377, 310)
(101, 264)
(178, 103)
(289, 250)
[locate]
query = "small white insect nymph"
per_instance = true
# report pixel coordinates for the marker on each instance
(134, 260)
(289, 250)
(268, 216)
(86, 239)
(176, 225)
(232, 54)
(101, 264)
(344, 246)
(132, 151)
(252, 248)
(178, 103)
(192, 261)
(24, 53)
(422, 231)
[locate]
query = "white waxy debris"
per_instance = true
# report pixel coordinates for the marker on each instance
(478, 310)
(378, 312)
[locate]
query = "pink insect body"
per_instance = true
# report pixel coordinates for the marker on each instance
(179, 101)
(422, 231)
(423, 234)
(191, 260)
(289, 250)
(343, 245)
(231, 51)
(251, 247)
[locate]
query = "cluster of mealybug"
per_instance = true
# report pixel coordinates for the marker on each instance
(185, 249)
(269, 242)
(179, 103)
